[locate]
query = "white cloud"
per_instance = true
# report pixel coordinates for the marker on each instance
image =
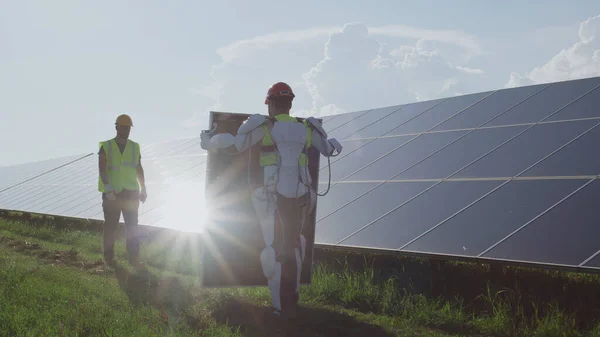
(340, 69)
(358, 72)
(470, 70)
(579, 61)
(242, 48)
(466, 41)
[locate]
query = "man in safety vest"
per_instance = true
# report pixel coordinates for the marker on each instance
(285, 197)
(121, 176)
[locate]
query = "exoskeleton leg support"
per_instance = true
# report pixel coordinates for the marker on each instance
(283, 256)
(264, 205)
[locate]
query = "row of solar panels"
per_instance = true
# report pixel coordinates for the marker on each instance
(509, 174)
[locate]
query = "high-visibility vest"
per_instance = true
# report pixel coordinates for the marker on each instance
(121, 168)
(268, 156)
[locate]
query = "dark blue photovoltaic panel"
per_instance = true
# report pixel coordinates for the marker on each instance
(11, 175)
(34, 195)
(488, 108)
(438, 114)
(575, 159)
(382, 126)
(67, 191)
(407, 155)
(339, 195)
(566, 234)
(420, 214)
(525, 150)
(585, 107)
(363, 156)
(460, 153)
(327, 119)
(341, 120)
(361, 122)
(546, 102)
(365, 209)
(89, 199)
(500, 213)
(349, 146)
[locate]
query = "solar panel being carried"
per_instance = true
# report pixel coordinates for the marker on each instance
(507, 174)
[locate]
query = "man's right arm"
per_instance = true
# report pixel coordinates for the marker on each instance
(102, 165)
(327, 146)
(248, 135)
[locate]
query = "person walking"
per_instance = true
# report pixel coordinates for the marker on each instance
(282, 195)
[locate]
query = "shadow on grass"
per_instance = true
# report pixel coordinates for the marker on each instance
(172, 298)
(144, 288)
(255, 320)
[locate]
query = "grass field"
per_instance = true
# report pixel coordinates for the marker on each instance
(53, 283)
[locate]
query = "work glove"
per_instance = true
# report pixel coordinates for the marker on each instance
(110, 192)
(143, 195)
(205, 139)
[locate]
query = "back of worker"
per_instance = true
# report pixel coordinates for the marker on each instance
(290, 139)
(284, 198)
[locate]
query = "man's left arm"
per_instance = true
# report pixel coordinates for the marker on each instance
(142, 180)
(327, 146)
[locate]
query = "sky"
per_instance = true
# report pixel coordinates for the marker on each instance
(68, 68)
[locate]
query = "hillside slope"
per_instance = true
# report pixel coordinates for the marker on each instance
(53, 282)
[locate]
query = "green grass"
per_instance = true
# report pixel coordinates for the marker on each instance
(52, 283)
(42, 299)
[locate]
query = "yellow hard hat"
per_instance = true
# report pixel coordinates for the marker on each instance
(124, 120)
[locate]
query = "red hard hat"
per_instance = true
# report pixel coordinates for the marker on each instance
(279, 89)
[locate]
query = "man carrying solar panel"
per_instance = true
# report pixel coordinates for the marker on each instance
(120, 178)
(284, 196)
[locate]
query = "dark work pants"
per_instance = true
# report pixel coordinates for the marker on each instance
(126, 203)
(288, 225)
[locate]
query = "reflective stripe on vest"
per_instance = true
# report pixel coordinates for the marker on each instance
(268, 156)
(121, 168)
